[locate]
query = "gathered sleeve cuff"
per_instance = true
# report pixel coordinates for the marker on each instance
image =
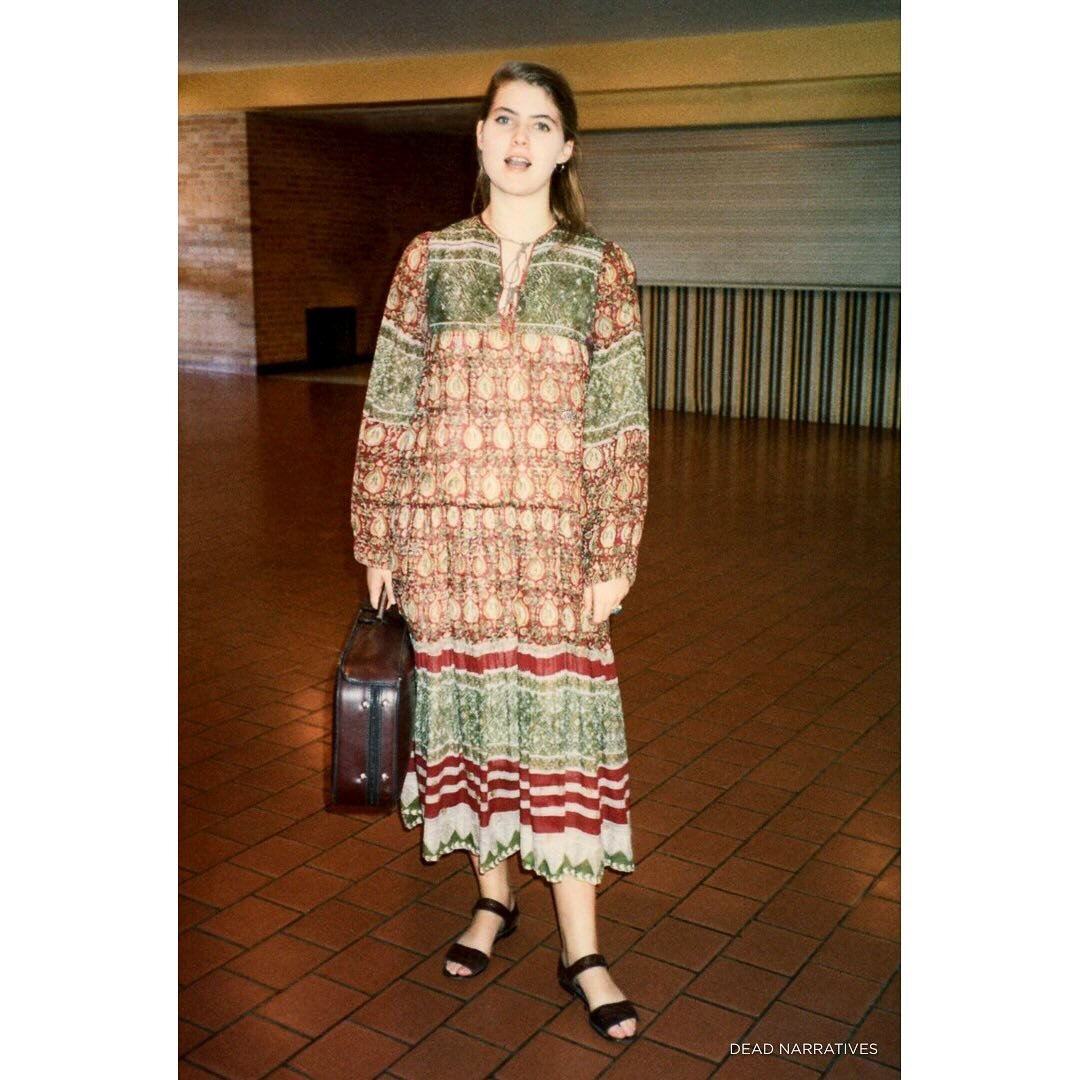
(386, 434)
(616, 431)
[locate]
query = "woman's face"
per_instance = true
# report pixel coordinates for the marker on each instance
(521, 141)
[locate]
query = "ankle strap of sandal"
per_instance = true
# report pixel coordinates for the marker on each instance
(586, 962)
(484, 904)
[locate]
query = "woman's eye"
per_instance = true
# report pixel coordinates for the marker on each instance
(543, 127)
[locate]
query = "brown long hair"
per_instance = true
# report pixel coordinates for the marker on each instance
(567, 201)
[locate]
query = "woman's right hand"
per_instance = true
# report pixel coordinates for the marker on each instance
(377, 580)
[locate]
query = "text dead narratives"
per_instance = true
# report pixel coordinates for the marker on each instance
(862, 1048)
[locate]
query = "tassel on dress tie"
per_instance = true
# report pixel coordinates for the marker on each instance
(512, 279)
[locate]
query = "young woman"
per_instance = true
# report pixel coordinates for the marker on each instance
(498, 498)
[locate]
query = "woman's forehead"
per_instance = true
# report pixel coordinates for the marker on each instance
(525, 99)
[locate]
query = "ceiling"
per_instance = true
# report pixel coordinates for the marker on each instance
(222, 35)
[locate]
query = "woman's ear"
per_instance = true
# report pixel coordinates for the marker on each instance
(479, 134)
(568, 150)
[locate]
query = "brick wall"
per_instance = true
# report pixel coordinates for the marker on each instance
(332, 206)
(216, 299)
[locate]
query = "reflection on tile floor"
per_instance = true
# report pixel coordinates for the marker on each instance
(352, 375)
(758, 657)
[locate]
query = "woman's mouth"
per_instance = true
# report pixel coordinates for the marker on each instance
(518, 163)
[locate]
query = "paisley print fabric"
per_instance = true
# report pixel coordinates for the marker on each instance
(502, 466)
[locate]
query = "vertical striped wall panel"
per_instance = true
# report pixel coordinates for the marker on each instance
(831, 356)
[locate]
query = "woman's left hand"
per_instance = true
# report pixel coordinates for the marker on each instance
(603, 596)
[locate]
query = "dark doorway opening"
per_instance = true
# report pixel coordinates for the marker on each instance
(331, 336)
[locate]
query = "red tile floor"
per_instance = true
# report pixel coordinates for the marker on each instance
(758, 661)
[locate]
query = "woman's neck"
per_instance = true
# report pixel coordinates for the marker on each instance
(518, 218)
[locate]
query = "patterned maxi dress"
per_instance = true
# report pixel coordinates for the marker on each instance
(502, 466)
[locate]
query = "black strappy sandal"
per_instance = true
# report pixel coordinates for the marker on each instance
(603, 1016)
(474, 959)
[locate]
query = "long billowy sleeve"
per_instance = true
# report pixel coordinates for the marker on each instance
(385, 433)
(616, 433)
